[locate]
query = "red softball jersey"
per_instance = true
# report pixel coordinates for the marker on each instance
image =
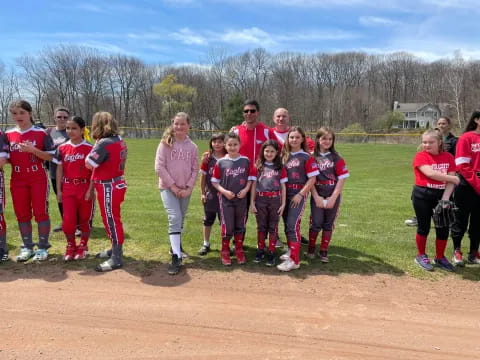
(467, 158)
(72, 157)
(24, 162)
(111, 153)
(443, 163)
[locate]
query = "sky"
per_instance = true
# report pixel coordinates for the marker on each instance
(190, 31)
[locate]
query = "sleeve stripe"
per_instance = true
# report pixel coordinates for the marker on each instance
(344, 176)
(283, 180)
(313, 173)
(3, 154)
(93, 163)
(215, 180)
(56, 161)
(462, 160)
(203, 172)
(254, 178)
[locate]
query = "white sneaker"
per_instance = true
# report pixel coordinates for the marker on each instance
(40, 255)
(411, 222)
(285, 256)
(288, 265)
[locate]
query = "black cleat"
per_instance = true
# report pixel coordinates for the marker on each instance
(175, 265)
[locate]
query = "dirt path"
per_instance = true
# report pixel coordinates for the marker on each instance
(236, 315)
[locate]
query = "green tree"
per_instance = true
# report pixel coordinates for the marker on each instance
(176, 96)
(389, 120)
(233, 113)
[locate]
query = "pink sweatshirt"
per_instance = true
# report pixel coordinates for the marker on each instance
(177, 164)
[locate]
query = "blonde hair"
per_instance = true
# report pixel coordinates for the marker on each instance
(436, 134)
(103, 125)
(168, 137)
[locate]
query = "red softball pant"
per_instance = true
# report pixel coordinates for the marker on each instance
(110, 196)
(30, 193)
(76, 210)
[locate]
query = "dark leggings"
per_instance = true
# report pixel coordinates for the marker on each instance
(467, 215)
(424, 201)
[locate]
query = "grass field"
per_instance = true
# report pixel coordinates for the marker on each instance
(370, 235)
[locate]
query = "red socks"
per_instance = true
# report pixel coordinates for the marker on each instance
(272, 242)
(295, 251)
(440, 246)
(312, 240)
(326, 237)
(261, 240)
(421, 244)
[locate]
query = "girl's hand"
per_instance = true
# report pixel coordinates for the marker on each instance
(59, 195)
(253, 209)
(229, 195)
(241, 194)
(88, 195)
(280, 210)
(319, 202)
(296, 200)
(175, 190)
(203, 197)
(27, 146)
(330, 203)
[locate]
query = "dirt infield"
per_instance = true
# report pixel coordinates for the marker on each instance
(203, 314)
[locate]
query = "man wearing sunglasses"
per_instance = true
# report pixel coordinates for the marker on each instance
(252, 132)
(59, 136)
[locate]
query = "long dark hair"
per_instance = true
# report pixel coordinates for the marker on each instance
(214, 137)
(22, 104)
(321, 132)
(277, 161)
(472, 125)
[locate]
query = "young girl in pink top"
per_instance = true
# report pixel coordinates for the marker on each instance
(176, 164)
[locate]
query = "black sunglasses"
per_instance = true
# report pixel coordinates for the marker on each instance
(251, 111)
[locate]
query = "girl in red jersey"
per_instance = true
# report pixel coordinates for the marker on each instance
(301, 171)
(435, 180)
(107, 160)
(268, 197)
(326, 194)
(3, 224)
(29, 147)
(209, 194)
(74, 188)
(467, 194)
(232, 177)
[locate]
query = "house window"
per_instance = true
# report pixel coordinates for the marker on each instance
(412, 114)
(423, 114)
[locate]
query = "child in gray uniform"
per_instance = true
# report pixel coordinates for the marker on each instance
(232, 177)
(326, 193)
(301, 171)
(209, 194)
(268, 198)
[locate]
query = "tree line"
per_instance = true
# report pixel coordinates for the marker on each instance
(334, 89)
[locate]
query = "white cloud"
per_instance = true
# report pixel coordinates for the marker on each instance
(186, 36)
(377, 21)
(252, 35)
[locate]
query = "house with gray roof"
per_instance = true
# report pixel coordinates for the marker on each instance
(418, 115)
